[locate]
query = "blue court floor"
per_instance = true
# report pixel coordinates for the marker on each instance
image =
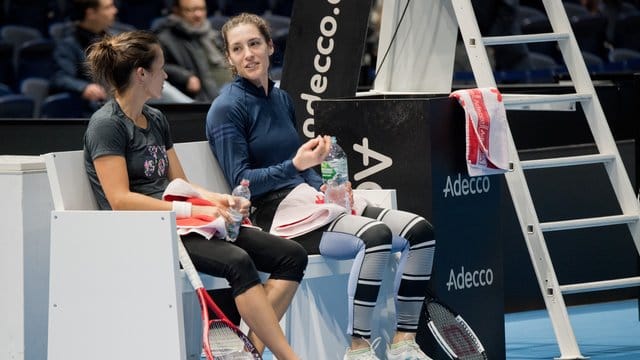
(604, 331)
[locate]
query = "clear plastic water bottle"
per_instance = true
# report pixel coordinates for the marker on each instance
(233, 227)
(335, 174)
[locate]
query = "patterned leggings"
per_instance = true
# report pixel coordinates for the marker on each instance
(369, 239)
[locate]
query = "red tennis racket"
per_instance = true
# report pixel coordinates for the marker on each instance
(221, 339)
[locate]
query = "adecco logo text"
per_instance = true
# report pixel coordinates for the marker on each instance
(469, 279)
(462, 186)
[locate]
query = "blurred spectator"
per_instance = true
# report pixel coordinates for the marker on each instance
(92, 20)
(194, 62)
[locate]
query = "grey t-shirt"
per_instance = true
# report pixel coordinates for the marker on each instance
(111, 132)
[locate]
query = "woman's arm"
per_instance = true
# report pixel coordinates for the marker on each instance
(114, 179)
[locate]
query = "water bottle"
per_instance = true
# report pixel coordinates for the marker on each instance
(335, 174)
(233, 227)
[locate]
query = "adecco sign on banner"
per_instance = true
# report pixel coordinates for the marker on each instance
(323, 55)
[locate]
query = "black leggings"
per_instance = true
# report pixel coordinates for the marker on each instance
(240, 261)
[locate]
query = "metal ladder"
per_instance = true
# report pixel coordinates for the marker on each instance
(608, 155)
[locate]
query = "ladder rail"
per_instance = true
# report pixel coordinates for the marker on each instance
(538, 251)
(593, 111)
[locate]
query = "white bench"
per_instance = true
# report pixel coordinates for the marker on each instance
(116, 286)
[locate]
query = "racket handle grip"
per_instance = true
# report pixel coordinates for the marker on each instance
(187, 266)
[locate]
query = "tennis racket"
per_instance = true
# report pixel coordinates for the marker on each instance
(452, 333)
(221, 339)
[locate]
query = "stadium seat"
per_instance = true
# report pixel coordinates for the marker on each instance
(35, 59)
(277, 22)
(591, 32)
(527, 14)
(58, 30)
(37, 89)
(574, 9)
(217, 21)
(63, 105)
(32, 13)
(537, 26)
(139, 13)
(18, 34)
(627, 32)
(5, 89)
(7, 71)
(16, 106)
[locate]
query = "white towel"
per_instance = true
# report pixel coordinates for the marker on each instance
(300, 212)
(486, 130)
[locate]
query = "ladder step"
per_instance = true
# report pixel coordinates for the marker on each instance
(600, 285)
(543, 101)
(588, 222)
(524, 39)
(566, 161)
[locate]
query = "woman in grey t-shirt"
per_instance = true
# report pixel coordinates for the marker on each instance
(130, 161)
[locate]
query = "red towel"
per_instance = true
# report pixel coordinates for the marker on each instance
(207, 226)
(486, 130)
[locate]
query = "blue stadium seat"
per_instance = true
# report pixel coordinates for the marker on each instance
(63, 105)
(37, 89)
(217, 21)
(7, 71)
(32, 13)
(35, 59)
(16, 106)
(627, 32)
(591, 32)
(139, 13)
(5, 89)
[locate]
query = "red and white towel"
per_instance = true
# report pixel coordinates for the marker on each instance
(207, 226)
(486, 130)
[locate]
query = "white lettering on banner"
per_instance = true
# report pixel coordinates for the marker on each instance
(469, 279)
(321, 64)
(367, 153)
(465, 186)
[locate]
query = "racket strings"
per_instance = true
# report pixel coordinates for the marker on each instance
(455, 332)
(225, 343)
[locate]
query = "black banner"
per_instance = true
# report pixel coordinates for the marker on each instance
(323, 54)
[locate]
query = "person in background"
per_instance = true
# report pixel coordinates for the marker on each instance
(130, 160)
(92, 20)
(195, 64)
(251, 129)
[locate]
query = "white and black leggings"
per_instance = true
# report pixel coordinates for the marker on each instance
(370, 239)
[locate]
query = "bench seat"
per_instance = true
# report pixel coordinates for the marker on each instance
(123, 264)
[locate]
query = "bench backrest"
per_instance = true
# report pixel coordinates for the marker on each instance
(71, 190)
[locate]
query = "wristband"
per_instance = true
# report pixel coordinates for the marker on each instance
(182, 209)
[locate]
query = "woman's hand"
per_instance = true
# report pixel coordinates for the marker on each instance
(212, 211)
(227, 201)
(312, 153)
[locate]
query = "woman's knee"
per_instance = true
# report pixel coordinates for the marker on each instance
(377, 235)
(240, 268)
(420, 231)
(295, 260)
